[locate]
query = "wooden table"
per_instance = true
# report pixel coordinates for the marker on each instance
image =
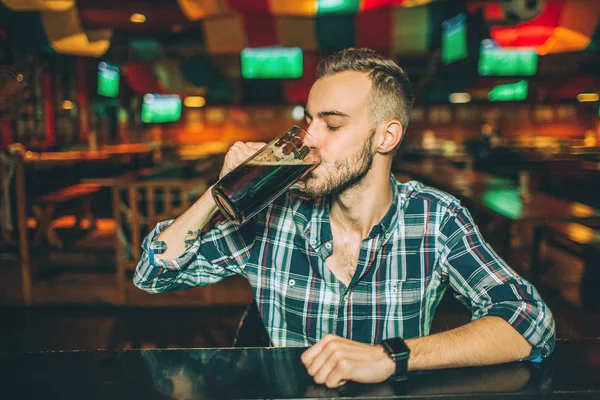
(277, 373)
(536, 206)
(499, 196)
(103, 153)
(532, 210)
(20, 157)
(576, 239)
(62, 157)
(130, 148)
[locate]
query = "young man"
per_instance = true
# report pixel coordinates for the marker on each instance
(356, 265)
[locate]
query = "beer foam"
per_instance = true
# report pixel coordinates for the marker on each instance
(278, 152)
(274, 155)
(281, 162)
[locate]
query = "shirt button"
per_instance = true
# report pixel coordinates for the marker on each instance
(291, 282)
(328, 245)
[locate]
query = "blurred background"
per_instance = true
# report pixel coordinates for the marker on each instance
(116, 114)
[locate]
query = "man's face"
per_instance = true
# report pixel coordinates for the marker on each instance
(337, 115)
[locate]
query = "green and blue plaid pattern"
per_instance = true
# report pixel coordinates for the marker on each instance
(427, 242)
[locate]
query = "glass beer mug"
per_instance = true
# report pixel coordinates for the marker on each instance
(254, 184)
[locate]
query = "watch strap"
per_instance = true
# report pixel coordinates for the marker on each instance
(398, 351)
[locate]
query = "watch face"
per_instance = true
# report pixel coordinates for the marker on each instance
(396, 348)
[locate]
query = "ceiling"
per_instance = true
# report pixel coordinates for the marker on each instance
(162, 16)
(168, 34)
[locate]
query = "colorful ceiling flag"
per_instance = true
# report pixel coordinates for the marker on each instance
(53, 28)
(225, 34)
(330, 25)
(39, 5)
(298, 8)
(198, 9)
(337, 7)
(557, 26)
(66, 36)
(297, 32)
(374, 29)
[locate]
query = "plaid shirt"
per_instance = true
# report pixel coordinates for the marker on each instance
(426, 243)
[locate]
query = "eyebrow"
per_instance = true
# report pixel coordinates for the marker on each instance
(323, 114)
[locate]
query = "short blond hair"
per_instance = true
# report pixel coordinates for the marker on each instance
(392, 95)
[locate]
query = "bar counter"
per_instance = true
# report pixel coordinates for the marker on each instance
(573, 372)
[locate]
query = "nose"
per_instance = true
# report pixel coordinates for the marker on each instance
(310, 129)
(314, 133)
(316, 144)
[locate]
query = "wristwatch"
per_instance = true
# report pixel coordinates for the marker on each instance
(398, 351)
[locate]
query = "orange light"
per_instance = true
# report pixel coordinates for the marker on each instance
(587, 97)
(459, 98)
(137, 18)
(194, 101)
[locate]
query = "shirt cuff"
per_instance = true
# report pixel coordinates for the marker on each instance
(153, 246)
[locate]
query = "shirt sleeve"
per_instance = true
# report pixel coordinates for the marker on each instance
(483, 282)
(220, 252)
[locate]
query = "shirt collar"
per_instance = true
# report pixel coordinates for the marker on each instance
(317, 227)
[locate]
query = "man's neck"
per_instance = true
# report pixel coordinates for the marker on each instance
(363, 206)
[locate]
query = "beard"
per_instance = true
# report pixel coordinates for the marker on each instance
(346, 174)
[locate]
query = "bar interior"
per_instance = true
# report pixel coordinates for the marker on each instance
(116, 115)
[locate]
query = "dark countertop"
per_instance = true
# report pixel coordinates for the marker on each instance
(573, 372)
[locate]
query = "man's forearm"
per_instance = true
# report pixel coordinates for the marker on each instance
(180, 235)
(488, 340)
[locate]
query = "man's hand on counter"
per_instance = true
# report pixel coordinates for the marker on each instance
(334, 360)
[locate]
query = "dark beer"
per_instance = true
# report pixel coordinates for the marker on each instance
(252, 186)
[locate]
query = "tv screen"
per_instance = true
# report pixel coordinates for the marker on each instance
(108, 80)
(272, 63)
(454, 39)
(161, 108)
(495, 61)
(509, 92)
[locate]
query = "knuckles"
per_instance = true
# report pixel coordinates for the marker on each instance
(344, 365)
(329, 337)
(332, 346)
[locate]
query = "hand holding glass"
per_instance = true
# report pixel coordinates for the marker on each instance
(258, 181)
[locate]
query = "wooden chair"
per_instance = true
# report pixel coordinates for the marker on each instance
(75, 199)
(138, 206)
(15, 158)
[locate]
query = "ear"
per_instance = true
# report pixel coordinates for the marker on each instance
(390, 137)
